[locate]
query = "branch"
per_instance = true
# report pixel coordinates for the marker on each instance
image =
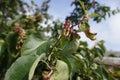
(112, 61)
(109, 61)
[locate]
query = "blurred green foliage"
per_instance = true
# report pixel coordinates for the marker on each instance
(26, 53)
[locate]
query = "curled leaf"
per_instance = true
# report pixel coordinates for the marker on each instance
(90, 35)
(34, 65)
(83, 26)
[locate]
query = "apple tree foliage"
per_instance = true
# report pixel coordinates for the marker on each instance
(26, 53)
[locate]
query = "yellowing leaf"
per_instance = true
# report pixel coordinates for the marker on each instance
(90, 35)
(93, 15)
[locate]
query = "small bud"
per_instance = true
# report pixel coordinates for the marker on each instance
(39, 17)
(16, 24)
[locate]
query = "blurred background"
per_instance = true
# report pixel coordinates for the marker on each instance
(108, 29)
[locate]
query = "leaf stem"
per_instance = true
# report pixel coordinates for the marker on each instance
(50, 53)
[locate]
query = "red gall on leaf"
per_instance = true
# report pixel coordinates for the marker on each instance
(79, 25)
(67, 24)
(71, 30)
(21, 32)
(65, 27)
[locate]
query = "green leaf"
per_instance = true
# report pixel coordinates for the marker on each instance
(107, 75)
(1, 46)
(20, 68)
(73, 63)
(101, 45)
(10, 22)
(70, 47)
(30, 45)
(80, 62)
(35, 45)
(11, 40)
(1, 13)
(18, 17)
(93, 15)
(63, 41)
(32, 70)
(67, 61)
(98, 53)
(32, 2)
(117, 73)
(45, 47)
(61, 72)
(98, 74)
(83, 7)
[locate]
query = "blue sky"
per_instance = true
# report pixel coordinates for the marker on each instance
(108, 30)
